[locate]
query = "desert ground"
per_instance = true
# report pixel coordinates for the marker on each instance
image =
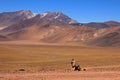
(24, 61)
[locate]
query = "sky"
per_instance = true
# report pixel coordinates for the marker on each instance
(83, 11)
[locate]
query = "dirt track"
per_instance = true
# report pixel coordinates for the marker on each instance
(82, 75)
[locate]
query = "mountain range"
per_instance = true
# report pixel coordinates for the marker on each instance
(56, 27)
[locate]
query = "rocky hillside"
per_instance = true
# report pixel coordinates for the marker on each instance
(107, 37)
(10, 18)
(56, 27)
(45, 19)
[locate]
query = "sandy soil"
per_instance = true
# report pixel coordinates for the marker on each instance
(91, 73)
(63, 75)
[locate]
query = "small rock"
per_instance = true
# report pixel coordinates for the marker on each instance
(21, 69)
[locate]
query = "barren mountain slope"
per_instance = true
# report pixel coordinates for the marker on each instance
(45, 19)
(56, 27)
(10, 18)
(55, 34)
(109, 37)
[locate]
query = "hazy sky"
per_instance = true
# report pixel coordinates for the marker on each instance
(80, 10)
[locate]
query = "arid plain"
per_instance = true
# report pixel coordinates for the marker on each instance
(52, 62)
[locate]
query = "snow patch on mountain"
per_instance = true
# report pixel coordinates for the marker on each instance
(57, 16)
(44, 14)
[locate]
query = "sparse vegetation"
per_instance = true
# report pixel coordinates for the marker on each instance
(37, 57)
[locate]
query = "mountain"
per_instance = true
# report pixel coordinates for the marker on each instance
(56, 27)
(55, 18)
(112, 23)
(103, 24)
(108, 37)
(54, 34)
(45, 19)
(97, 25)
(48, 27)
(10, 18)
